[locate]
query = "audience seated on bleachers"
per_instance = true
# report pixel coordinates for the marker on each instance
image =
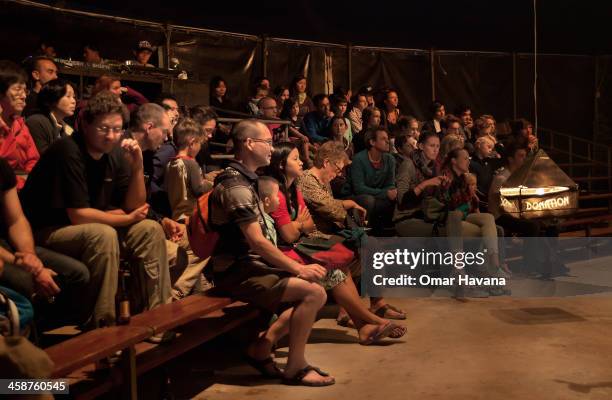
(294, 224)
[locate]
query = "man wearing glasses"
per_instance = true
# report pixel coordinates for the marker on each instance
(248, 267)
(16, 144)
(269, 110)
(86, 198)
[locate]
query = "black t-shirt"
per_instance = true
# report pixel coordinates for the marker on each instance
(66, 176)
(7, 182)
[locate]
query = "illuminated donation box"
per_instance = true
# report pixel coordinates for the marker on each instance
(539, 189)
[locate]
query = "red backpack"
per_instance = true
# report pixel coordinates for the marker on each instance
(202, 238)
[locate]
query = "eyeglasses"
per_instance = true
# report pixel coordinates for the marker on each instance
(269, 142)
(111, 129)
(338, 169)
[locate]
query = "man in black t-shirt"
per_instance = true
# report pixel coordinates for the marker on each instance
(86, 198)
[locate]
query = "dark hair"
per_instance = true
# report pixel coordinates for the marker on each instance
(434, 107)
(518, 125)
(247, 128)
(336, 101)
(287, 106)
(10, 74)
(372, 134)
(91, 46)
(278, 91)
(403, 122)
(460, 109)
(512, 146)
(31, 64)
(451, 119)
(215, 81)
(51, 93)
(278, 164)
(202, 114)
(103, 103)
(366, 114)
(296, 79)
(401, 140)
(426, 135)
(264, 186)
(184, 130)
(331, 122)
(165, 96)
(355, 98)
(319, 98)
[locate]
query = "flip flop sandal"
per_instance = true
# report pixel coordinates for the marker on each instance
(263, 367)
(298, 378)
(380, 334)
(398, 332)
(382, 311)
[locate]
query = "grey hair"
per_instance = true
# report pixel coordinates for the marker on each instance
(149, 112)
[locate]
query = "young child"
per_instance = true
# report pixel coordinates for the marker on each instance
(184, 180)
(472, 188)
(268, 194)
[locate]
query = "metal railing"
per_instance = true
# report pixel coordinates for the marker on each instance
(579, 150)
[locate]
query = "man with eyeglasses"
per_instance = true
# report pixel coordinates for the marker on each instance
(86, 198)
(268, 110)
(248, 267)
(16, 144)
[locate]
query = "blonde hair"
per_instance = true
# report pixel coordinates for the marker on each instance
(332, 151)
(470, 179)
(486, 138)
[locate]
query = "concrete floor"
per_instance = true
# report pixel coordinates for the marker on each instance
(496, 348)
(501, 348)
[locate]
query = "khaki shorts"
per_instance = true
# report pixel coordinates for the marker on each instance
(253, 282)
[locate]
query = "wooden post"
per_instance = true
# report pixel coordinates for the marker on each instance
(433, 75)
(514, 95)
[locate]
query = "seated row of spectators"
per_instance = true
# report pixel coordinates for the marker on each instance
(97, 193)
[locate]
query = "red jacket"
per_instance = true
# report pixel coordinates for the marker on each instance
(18, 148)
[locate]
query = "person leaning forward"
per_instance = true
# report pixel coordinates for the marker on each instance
(248, 267)
(86, 199)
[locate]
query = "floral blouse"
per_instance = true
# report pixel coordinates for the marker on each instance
(328, 213)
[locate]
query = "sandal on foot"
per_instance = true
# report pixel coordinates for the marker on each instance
(345, 321)
(398, 332)
(298, 378)
(383, 332)
(263, 366)
(382, 312)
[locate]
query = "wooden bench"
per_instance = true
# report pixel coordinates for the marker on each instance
(197, 319)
